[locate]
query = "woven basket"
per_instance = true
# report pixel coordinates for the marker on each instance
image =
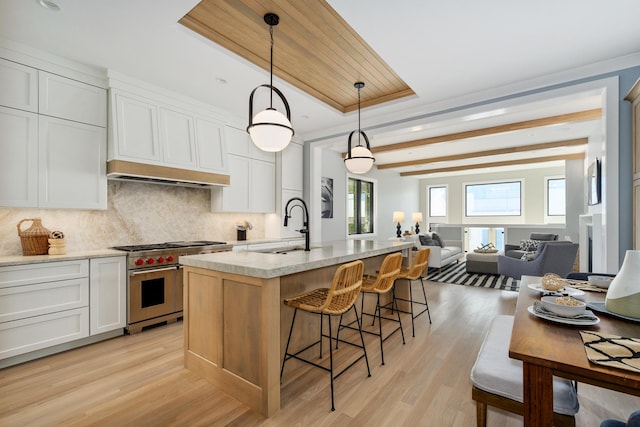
(35, 239)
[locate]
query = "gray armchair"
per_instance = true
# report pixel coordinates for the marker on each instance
(551, 257)
(514, 251)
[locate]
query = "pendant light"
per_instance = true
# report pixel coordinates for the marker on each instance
(270, 130)
(359, 159)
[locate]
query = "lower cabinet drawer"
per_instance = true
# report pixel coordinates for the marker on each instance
(20, 302)
(35, 333)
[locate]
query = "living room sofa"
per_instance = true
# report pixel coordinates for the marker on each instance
(451, 251)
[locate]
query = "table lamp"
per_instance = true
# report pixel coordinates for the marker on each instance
(398, 217)
(417, 218)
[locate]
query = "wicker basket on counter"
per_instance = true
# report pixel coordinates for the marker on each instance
(35, 239)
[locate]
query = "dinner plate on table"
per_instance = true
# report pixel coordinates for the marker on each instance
(572, 292)
(565, 320)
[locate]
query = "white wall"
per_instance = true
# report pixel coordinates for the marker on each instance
(533, 192)
(394, 193)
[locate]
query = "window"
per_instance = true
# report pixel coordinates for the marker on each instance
(493, 199)
(437, 201)
(360, 207)
(556, 196)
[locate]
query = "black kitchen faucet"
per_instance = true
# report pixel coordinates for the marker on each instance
(305, 224)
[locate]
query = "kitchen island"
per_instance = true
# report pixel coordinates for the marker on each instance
(234, 326)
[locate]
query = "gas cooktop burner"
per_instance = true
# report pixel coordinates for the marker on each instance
(167, 245)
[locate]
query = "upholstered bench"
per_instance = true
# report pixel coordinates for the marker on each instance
(497, 379)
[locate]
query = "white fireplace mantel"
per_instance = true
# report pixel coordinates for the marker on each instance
(591, 225)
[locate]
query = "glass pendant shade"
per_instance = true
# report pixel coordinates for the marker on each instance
(361, 160)
(271, 130)
(623, 295)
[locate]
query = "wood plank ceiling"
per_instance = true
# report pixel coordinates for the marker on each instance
(315, 49)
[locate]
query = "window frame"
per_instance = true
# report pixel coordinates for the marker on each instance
(441, 218)
(374, 207)
(548, 218)
(518, 217)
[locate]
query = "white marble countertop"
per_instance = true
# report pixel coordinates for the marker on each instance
(270, 265)
(21, 259)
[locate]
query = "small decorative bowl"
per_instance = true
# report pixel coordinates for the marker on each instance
(550, 304)
(600, 281)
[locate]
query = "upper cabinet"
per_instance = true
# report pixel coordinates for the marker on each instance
(18, 86)
(253, 177)
(52, 139)
(71, 100)
(149, 129)
(72, 165)
(134, 128)
(291, 167)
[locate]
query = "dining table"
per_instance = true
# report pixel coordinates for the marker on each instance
(549, 348)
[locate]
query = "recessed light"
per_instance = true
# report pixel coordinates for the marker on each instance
(304, 116)
(221, 81)
(50, 5)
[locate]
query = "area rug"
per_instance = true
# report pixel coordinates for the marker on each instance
(457, 274)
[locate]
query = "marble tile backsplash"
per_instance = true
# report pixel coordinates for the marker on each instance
(136, 213)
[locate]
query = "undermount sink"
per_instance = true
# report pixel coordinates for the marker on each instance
(283, 250)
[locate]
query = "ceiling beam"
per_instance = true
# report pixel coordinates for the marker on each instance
(580, 116)
(496, 152)
(576, 156)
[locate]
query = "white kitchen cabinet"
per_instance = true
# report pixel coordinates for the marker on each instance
(72, 100)
(135, 128)
(19, 159)
(239, 143)
(289, 184)
(108, 294)
(253, 179)
(66, 166)
(35, 333)
(252, 187)
(72, 160)
(291, 167)
(263, 181)
(149, 131)
(42, 305)
(177, 138)
(211, 145)
(18, 86)
(237, 196)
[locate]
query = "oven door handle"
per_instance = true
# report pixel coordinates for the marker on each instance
(152, 270)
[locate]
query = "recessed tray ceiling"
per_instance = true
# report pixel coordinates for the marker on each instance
(314, 48)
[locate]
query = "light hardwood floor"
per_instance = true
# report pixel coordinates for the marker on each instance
(139, 380)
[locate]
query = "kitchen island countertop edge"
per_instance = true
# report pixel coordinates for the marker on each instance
(269, 265)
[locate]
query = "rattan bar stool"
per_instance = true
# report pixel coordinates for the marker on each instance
(420, 261)
(380, 285)
(334, 301)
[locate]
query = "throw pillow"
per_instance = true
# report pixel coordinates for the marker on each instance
(426, 240)
(528, 256)
(529, 245)
(437, 240)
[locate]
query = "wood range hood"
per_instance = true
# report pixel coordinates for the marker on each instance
(154, 174)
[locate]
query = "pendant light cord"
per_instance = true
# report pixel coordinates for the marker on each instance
(271, 66)
(359, 143)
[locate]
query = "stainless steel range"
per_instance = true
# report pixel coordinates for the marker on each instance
(155, 280)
